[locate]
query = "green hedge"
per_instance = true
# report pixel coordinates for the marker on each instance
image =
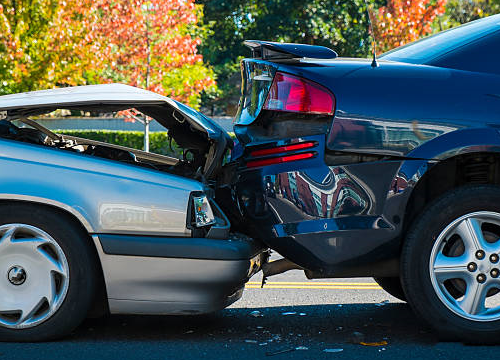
(158, 141)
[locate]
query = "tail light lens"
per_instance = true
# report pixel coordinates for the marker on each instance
(280, 159)
(203, 214)
(282, 149)
(295, 94)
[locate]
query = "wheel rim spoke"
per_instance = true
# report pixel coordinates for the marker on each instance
(470, 232)
(6, 238)
(51, 264)
(29, 309)
(446, 267)
(474, 298)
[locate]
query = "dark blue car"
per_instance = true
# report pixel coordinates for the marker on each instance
(388, 169)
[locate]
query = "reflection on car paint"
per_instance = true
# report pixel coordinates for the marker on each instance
(333, 195)
(254, 90)
(126, 217)
(382, 136)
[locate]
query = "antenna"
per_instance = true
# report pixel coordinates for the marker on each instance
(374, 44)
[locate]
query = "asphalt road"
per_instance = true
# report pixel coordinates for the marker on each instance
(299, 320)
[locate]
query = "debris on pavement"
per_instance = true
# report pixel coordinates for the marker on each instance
(282, 351)
(333, 350)
(256, 313)
(379, 343)
(382, 303)
(357, 337)
(301, 348)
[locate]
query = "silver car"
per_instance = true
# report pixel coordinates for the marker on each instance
(88, 227)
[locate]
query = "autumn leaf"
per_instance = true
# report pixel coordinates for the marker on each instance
(404, 21)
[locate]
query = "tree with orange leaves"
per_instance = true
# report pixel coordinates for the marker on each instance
(150, 44)
(404, 21)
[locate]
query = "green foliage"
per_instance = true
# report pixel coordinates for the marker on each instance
(462, 11)
(42, 44)
(53, 43)
(159, 142)
(24, 27)
(338, 24)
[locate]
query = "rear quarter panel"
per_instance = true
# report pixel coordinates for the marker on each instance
(106, 196)
(347, 220)
(395, 108)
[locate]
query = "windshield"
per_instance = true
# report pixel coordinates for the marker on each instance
(424, 50)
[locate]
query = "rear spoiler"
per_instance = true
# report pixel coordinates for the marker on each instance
(268, 50)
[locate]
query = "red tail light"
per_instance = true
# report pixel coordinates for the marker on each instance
(295, 94)
(280, 159)
(281, 149)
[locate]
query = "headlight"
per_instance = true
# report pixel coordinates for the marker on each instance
(203, 214)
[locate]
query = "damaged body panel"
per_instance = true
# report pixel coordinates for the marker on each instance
(161, 243)
(341, 207)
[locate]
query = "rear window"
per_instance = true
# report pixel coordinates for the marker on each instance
(481, 56)
(424, 50)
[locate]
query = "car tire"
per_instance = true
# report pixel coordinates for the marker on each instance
(392, 285)
(47, 273)
(448, 261)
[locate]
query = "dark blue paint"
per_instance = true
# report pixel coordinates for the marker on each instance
(415, 113)
(288, 50)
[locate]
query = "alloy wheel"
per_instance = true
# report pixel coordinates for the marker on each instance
(465, 268)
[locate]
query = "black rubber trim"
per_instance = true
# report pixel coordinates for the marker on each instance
(188, 248)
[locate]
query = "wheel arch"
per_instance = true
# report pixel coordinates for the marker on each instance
(470, 167)
(78, 216)
(78, 220)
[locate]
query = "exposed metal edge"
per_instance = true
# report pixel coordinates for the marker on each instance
(157, 158)
(45, 201)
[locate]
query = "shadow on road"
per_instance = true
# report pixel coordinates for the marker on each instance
(392, 322)
(235, 334)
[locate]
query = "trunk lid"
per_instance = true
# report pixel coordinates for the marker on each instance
(188, 127)
(257, 73)
(39, 102)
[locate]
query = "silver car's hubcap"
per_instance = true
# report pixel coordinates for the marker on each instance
(34, 276)
(464, 266)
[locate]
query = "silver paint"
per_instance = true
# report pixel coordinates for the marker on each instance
(106, 196)
(155, 285)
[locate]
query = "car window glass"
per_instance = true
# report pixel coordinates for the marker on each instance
(480, 56)
(424, 50)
